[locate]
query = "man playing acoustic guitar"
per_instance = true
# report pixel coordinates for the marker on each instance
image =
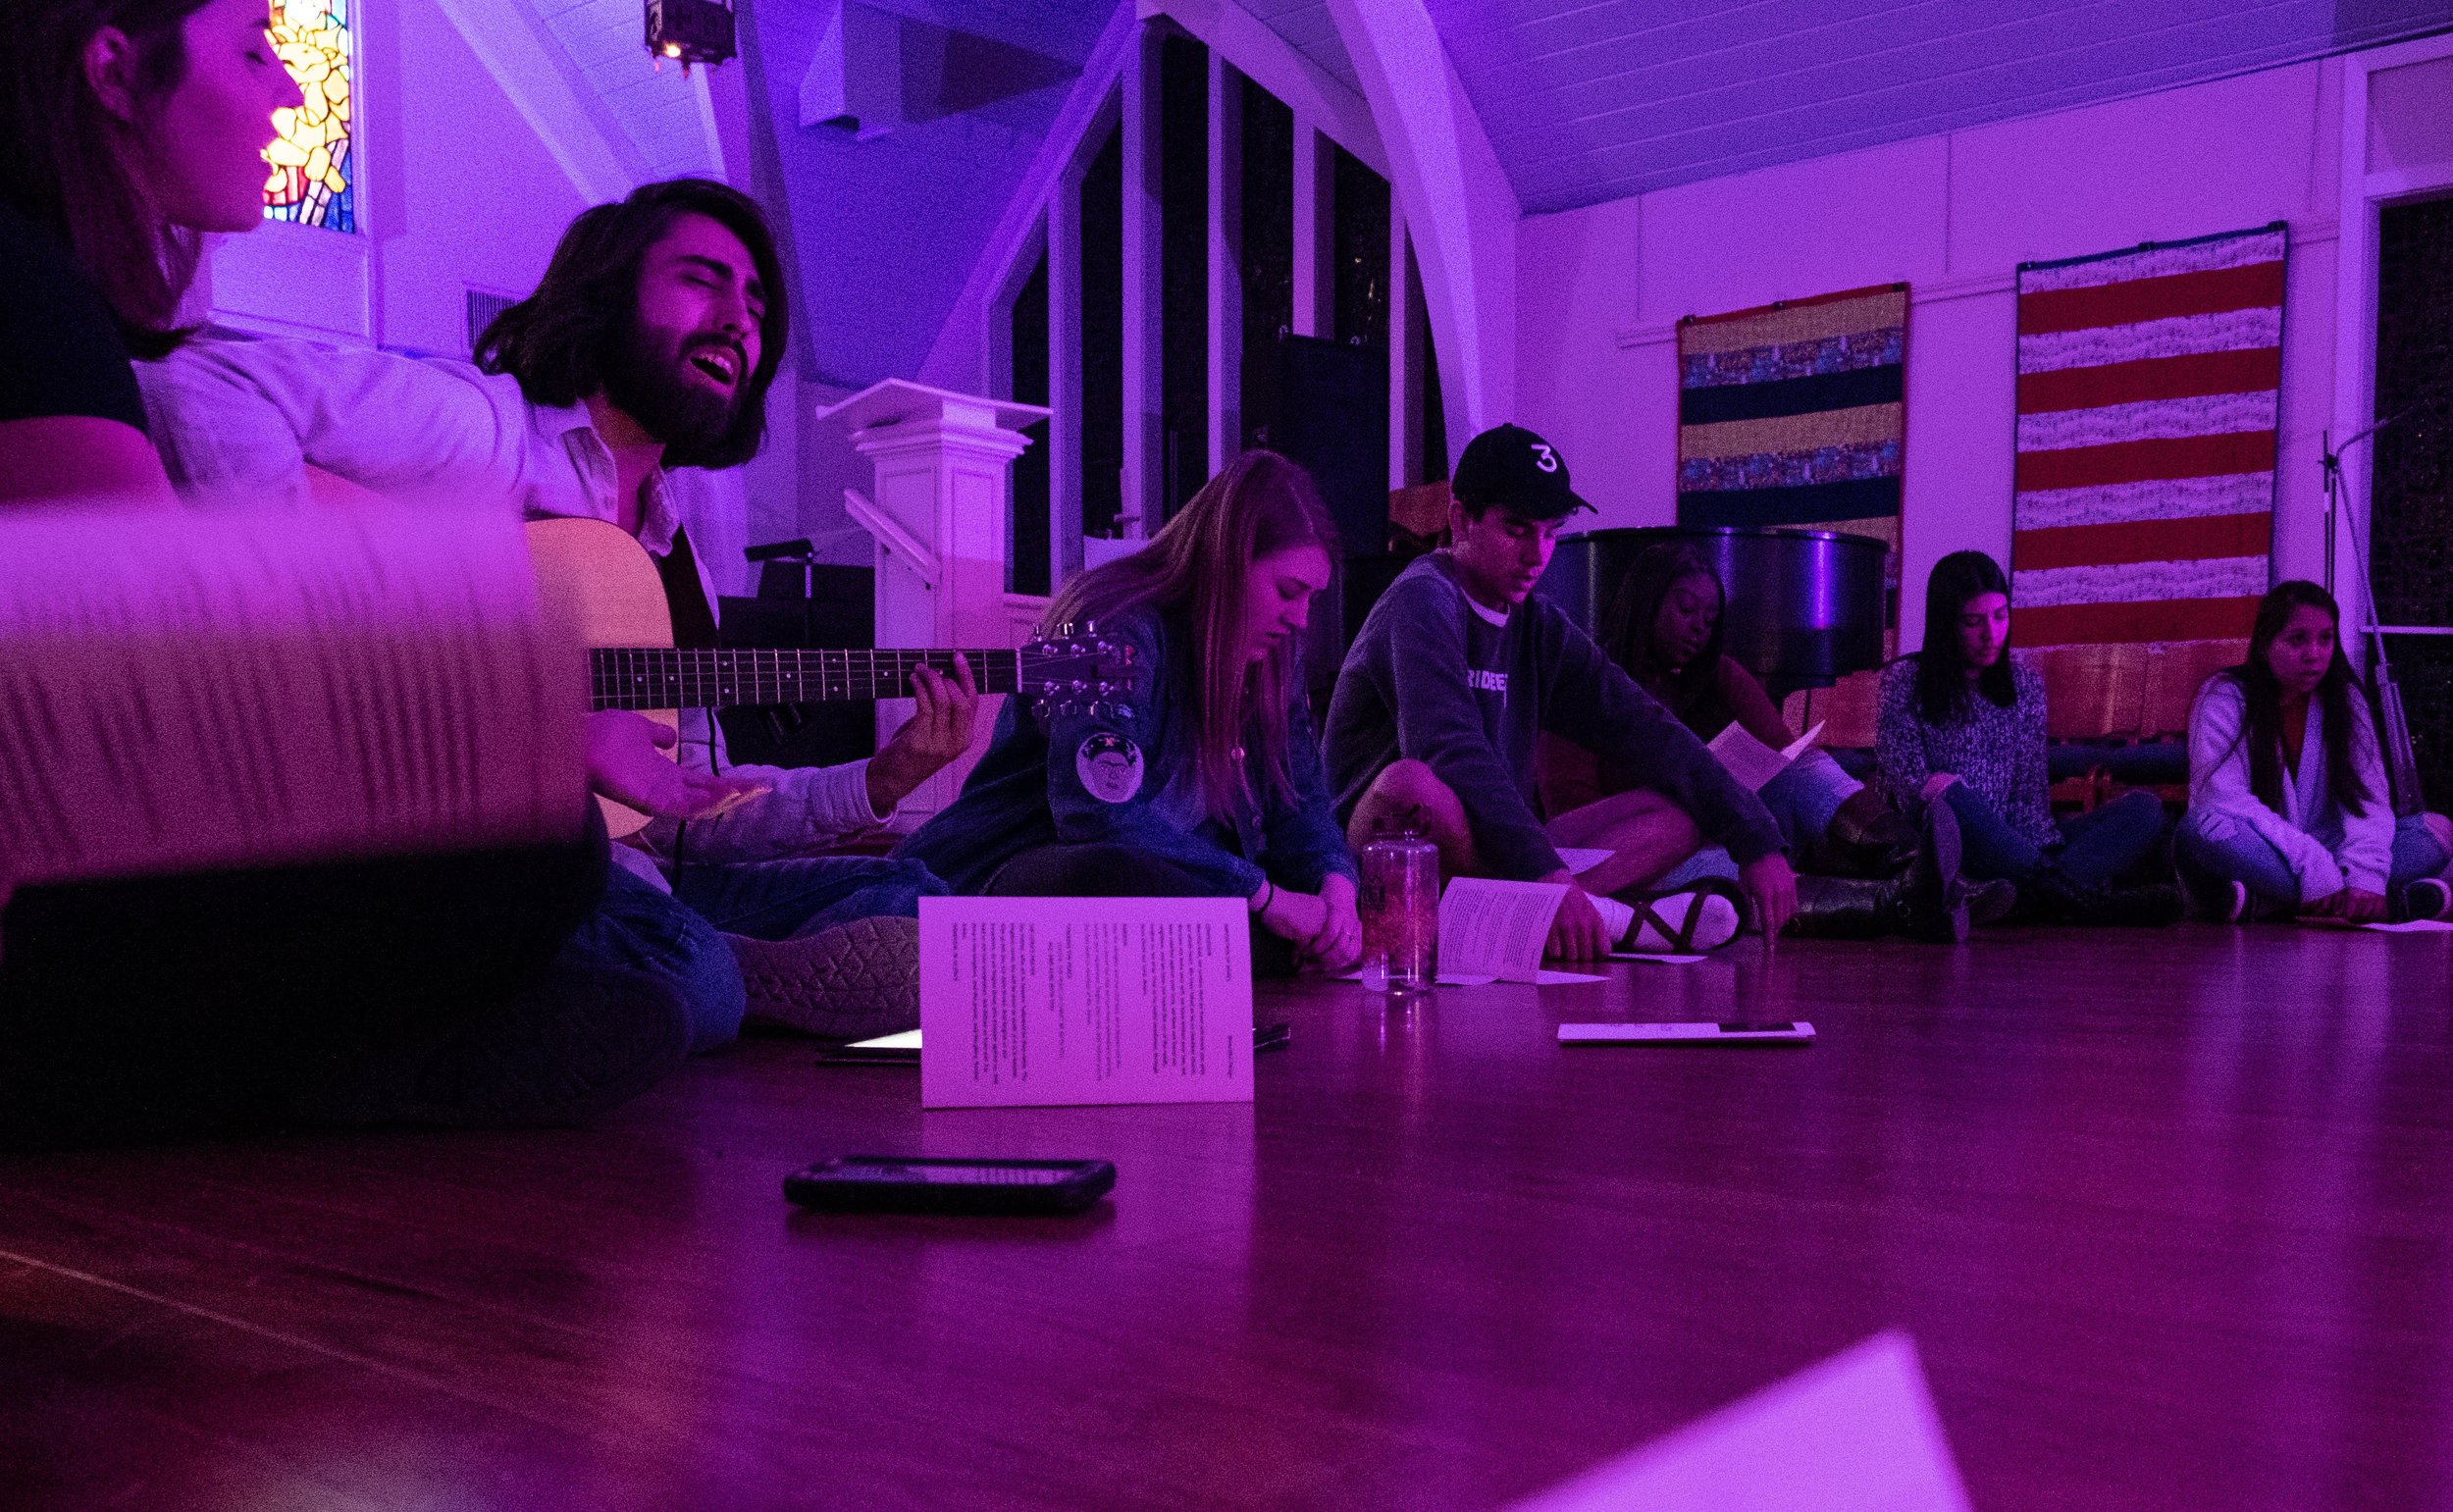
(641, 360)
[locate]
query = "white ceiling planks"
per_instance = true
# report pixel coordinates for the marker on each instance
(1592, 100)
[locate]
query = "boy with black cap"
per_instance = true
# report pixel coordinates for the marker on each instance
(1458, 669)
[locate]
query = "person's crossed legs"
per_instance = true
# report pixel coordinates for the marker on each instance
(2215, 849)
(1408, 795)
(1644, 833)
(828, 945)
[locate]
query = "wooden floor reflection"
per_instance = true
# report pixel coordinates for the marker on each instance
(2170, 1216)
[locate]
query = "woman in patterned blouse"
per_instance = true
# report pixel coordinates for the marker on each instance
(1962, 722)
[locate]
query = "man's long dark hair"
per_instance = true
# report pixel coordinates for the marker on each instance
(73, 168)
(2263, 728)
(1693, 691)
(1940, 667)
(560, 341)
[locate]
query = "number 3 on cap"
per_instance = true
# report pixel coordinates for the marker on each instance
(1548, 460)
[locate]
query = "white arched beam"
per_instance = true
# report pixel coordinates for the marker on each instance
(1454, 198)
(547, 89)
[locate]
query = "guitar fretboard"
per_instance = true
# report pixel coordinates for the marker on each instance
(663, 678)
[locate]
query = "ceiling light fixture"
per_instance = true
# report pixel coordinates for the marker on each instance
(690, 31)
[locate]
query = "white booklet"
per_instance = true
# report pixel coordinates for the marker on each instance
(1036, 1002)
(191, 689)
(1857, 1432)
(1753, 762)
(1497, 931)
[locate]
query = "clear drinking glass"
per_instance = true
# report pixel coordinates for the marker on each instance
(1400, 909)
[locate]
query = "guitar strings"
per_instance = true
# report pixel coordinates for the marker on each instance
(664, 677)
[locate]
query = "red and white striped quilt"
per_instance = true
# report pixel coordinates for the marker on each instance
(2147, 391)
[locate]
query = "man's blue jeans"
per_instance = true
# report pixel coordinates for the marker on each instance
(2095, 847)
(679, 936)
(2215, 848)
(1801, 800)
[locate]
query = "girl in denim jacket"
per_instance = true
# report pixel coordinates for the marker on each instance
(1203, 780)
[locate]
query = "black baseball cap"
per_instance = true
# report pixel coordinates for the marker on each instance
(1511, 467)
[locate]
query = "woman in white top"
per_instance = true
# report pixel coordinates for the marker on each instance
(2288, 807)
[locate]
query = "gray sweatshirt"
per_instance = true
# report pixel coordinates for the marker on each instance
(1432, 679)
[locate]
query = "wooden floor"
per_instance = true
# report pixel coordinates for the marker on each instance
(2169, 1215)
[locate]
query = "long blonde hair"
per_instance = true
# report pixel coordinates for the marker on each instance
(1195, 570)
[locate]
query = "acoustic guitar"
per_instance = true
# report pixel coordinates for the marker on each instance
(602, 581)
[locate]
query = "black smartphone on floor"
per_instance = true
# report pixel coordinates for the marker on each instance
(888, 1183)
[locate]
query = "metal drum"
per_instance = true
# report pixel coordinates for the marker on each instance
(1805, 608)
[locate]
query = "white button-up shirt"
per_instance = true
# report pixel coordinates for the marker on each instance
(249, 418)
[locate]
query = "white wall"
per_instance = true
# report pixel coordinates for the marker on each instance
(1599, 289)
(465, 192)
(455, 188)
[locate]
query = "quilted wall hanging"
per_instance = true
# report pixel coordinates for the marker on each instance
(1790, 415)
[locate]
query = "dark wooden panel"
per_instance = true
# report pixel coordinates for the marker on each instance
(1183, 189)
(2412, 549)
(1264, 242)
(1102, 230)
(2166, 1212)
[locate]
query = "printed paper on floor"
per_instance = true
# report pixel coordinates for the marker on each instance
(1037, 1002)
(1499, 930)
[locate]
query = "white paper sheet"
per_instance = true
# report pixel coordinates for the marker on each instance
(1543, 979)
(1447, 980)
(1580, 859)
(1856, 1434)
(2415, 926)
(1499, 929)
(908, 1039)
(1753, 762)
(1034, 1002)
(182, 689)
(1798, 1032)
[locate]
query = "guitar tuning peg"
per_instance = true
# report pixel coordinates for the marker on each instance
(1122, 710)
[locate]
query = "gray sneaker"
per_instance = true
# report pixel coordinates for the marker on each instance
(852, 982)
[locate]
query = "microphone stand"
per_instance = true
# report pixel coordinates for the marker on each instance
(2393, 725)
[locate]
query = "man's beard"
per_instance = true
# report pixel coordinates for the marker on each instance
(650, 385)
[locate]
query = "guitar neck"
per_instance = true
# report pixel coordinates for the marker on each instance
(661, 677)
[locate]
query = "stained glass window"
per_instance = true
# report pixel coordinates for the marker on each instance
(314, 174)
